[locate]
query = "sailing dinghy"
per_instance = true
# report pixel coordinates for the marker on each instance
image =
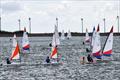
(15, 52)
(63, 35)
(87, 37)
(25, 41)
(107, 48)
(69, 34)
(54, 59)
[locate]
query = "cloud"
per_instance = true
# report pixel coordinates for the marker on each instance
(10, 7)
(69, 13)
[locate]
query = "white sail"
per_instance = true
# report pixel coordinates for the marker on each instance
(107, 51)
(87, 38)
(62, 35)
(56, 40)
(55, 43)
(25, 41)
(97, 46)
(93, 37)
(69, 34)
(15, 49)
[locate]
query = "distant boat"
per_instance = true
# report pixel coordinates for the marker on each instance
(55, 40)
(97, 45)
(25, 41)
(87, 37)
(63, 35)
(69, 34)
(107, 48)
(15, 49)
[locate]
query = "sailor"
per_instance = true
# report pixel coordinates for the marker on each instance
(83, 43)
(48, 59)
(1, 64)
(87, 50)
(8, 61)
(89, 58)
(50, 44)
(83, 59)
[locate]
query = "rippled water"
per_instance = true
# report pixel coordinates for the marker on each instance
(71, 68)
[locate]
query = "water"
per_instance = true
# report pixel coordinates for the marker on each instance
(71, 68)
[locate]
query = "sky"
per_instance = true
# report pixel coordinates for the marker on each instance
(43, 14)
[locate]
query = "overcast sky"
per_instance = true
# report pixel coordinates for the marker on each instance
(69, 13)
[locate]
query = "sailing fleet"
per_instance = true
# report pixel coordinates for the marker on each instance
(97, 52)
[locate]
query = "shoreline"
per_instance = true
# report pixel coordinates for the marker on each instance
(20, 34)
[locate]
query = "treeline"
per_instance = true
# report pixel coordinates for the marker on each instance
(20, 34)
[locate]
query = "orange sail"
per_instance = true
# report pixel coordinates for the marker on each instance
(54, 52)
(15, 49)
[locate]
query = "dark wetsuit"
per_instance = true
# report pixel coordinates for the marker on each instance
(87, 50)
(48, 60)
(50, 44)
(8, 61)
(89, 58)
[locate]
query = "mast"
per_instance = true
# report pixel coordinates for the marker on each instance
(104, 25)
(118, 23)
(0, 23)
(82, 24)
(19, 22)
(29, 25)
